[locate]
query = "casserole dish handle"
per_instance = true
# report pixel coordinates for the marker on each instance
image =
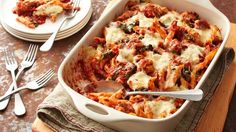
(205, 3)
(100, 112)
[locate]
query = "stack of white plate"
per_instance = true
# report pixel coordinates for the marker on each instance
(44, 31)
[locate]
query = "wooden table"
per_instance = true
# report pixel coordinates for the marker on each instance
(228, 7)
(52, 59)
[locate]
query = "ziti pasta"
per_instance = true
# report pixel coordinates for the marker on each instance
(150, 48)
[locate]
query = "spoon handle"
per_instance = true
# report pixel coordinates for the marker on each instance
(193, 95)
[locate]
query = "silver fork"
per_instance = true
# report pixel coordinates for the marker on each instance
(33, 85)
(48, 44)
(11, 66)
(26, 63)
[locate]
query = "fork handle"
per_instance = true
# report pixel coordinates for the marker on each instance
(7, 95)
(48, 44)
(3, 104)
(19, 108)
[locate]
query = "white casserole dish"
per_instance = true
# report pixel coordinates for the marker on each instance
(118, 120)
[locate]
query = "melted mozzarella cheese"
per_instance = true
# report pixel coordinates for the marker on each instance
(205, 35)
(139, 80)
(143, 20)
(192, 53)
(168, 18)
(29, 0)
(152, 39)
(100, 51)
(170, 83)
(45, 1)
(136, 107)
(163, 62)
(113, 24)
(113, 34)
(181, 24)
(132, 20)
(161, 106)
(154, 57)
(48, 9)
(125, 55)
(142, 6)
(90, 52)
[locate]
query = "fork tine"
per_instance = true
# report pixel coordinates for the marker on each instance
(74, 1)
(43, 75)
(28, 52)
(9, 57)
(13, 57)
(35, 52)
(46, 79)
(31, 53)
(6, 56)
(75, 4)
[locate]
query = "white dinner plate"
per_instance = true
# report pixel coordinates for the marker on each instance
(60, 34)
(75, 30)
(38, 40)
(9, 18)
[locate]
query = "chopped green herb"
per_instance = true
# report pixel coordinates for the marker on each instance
(186, 73)
(115, 75)
(127, 28)
(146, 48)
(108, 54)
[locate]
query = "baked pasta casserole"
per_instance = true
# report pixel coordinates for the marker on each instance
(150, 48)
(32, 13)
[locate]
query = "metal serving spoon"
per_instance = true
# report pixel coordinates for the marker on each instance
(112, 86)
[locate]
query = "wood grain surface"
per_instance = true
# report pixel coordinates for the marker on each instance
(215, 115)
(228, 7)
